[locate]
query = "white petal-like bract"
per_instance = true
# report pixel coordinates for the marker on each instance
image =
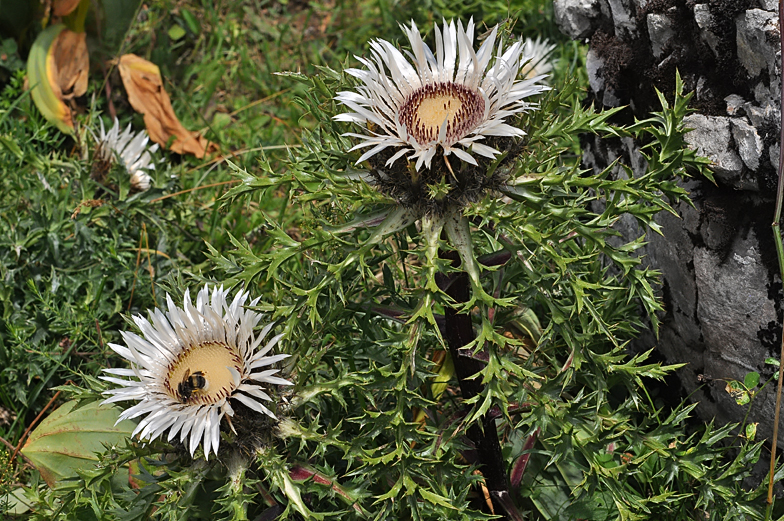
(131, 150)
(537, 60)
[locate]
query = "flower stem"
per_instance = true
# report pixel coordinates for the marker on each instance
(458, 333)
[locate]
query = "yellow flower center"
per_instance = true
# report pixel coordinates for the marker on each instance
(432, 112)
(201, 374)
(428, 108)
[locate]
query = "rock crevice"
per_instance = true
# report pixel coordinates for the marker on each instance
(720, 281)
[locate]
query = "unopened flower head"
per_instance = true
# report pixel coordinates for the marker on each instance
(132, 151)
(453, 99)
(190, 365)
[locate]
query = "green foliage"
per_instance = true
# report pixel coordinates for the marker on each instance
(376, 426)
(367, 308)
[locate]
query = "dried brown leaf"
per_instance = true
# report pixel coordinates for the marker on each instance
(144, 85)
(63, 7)
(72, 63)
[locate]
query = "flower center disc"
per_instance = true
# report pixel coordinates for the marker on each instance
(427, 108)
(201, 375)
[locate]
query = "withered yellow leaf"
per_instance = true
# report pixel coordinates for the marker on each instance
(144, 85)
(72, 62)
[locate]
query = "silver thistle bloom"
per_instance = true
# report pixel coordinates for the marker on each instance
(536, 58)
(189, 366)
(455, 97)
(132, 151)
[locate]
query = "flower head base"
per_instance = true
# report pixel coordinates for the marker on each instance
(191, 363)
(451, 99)
(132, 152)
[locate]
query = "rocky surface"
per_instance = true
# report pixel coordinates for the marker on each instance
(720, 281)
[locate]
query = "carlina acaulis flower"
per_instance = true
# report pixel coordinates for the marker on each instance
(191, 364)
(130, 149)
(454, 102)
(537, 60)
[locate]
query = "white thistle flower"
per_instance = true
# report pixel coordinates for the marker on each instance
(189, 365)
(453, 97)
(536, 58)
(132, 151)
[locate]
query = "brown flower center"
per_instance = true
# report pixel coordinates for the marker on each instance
(201, 374)
(427, 108)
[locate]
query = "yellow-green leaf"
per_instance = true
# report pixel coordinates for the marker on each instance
(42, 76)
(69, 438)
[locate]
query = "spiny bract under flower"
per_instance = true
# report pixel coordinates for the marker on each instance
(449, 98)
(132, 151)
(190, 363)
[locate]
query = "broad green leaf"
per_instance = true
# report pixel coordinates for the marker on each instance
(68, 440)
(751, 380)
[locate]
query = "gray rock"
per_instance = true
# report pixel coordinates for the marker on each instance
(733, 304)
(773, 154)
(775, 82)
(702, 16)
(761, 93)
(660, 31)
(735, 105)
(756, 114)
(772, 112)
(611, 99)
(673, 254)
(711, 137)
(637, 161)
(749, 143)
(770, 5)
(756, 36)
(575, 18)
(595, 65)
(623, 15)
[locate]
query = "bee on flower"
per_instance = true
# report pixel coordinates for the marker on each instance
(191, 364)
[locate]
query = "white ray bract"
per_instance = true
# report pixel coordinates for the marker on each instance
(166, 336)
(389, 79)
(537, 60)
(131, 150)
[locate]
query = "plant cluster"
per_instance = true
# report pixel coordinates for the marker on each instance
(453, 308)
